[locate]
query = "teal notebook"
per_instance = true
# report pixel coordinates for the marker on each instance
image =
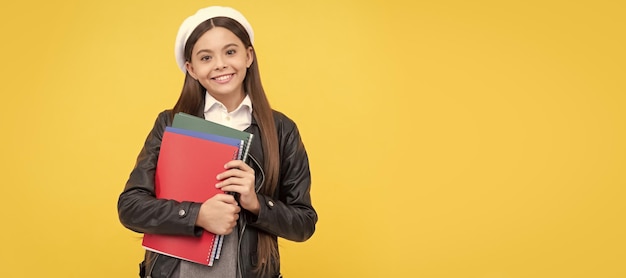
(190, 122)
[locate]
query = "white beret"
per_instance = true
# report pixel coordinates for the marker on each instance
(203, 15)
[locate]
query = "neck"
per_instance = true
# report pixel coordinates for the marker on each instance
(231, 101)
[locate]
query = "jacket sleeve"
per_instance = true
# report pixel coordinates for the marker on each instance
(292, 215)
(137, 206)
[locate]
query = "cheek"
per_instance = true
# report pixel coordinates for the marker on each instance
(201, 72)
(204, 81)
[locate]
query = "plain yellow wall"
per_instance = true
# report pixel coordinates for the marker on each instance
(481, 139)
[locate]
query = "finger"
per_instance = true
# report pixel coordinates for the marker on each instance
(245, 184)
(235, 176)
(231, 210)
(226, 198)
(234, 173)
(227, 174)
(234, 188)
(239, 164)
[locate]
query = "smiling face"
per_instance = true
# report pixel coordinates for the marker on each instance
(219, 61)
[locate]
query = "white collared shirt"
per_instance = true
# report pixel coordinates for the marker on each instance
(239, 119)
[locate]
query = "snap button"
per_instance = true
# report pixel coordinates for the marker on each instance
(182, 213)
(270, 203)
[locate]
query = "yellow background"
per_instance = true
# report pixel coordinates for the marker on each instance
(447, 138)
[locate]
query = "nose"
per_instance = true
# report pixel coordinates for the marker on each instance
(220, 63)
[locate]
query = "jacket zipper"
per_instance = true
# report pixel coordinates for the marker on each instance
(243, 225)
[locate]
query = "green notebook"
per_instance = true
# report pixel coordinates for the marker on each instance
(190, 122)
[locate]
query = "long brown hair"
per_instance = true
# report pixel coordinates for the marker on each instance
(191, 101)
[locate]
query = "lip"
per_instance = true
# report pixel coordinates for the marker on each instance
(224, 78)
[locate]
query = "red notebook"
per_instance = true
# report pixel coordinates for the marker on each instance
(186, 171)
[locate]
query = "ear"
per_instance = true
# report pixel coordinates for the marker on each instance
(190, 70)
(249, 56)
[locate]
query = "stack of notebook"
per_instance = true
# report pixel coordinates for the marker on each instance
(193, 152)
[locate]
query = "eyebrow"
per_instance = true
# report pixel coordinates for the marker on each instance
(209, 51)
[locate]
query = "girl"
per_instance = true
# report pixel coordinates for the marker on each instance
(222, 84)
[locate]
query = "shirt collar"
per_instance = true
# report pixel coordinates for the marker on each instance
(210, 101)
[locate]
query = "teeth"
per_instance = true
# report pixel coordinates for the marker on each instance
(222, 78)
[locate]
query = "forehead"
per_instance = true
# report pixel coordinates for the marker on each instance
(216, 38)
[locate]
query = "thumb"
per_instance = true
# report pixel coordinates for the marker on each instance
(226, 198)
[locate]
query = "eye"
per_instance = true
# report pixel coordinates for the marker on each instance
(205, 58)
(230, 52)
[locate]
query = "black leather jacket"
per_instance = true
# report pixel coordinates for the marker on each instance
(287, 213)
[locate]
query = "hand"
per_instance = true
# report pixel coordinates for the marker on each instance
(239, 178)
(219, 214)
